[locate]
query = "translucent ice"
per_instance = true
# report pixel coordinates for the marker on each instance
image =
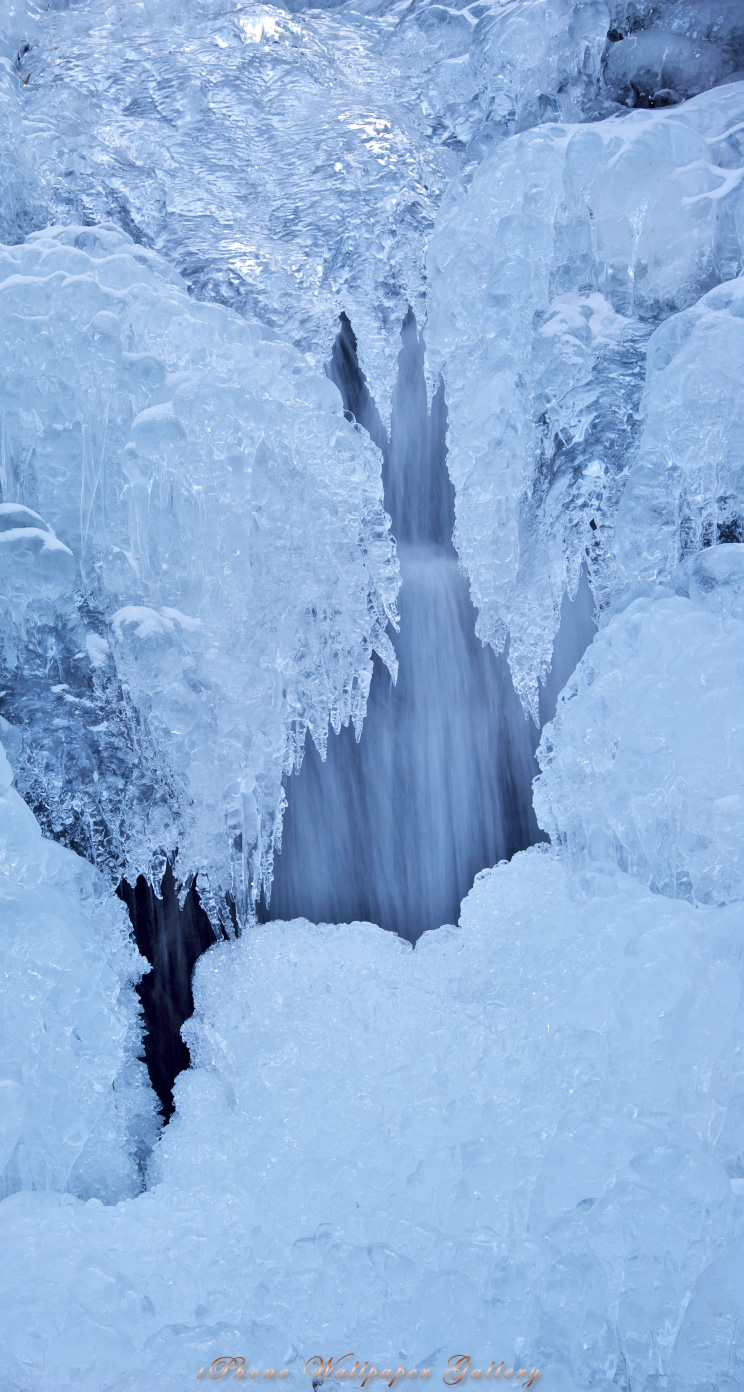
(313, 145)
(686, 487)
(658, 68)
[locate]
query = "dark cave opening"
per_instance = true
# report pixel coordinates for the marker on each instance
(172, 939)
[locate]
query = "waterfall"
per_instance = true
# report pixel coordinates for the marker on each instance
(393, 829)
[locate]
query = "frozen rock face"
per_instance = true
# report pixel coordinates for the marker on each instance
(547, 274)
(19, 209)
(218, 573)
(526, 1130)
(77, 1113)
(644, 762)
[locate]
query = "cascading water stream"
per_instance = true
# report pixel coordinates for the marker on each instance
(393, 829)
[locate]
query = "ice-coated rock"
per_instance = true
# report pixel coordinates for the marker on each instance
(547, 273)
(714, 578)
(77, 1113)
(686, 487)
(717, 21)
(34, 563)
(658, 68)
(520, 1136)
(475, 73)
(218, 573)
(644, 762)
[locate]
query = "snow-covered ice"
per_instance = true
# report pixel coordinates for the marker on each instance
(520, 1137)
(644, 762)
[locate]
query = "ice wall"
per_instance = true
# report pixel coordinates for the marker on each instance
(644, 763)
(290, 161)
(684, 490)
(219, 572)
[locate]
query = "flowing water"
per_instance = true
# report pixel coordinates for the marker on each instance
(394, 828)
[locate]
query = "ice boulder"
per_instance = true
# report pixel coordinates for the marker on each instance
(223, 568)
(644, 763)
(77, 1113)
(714, 578)
(477, 74)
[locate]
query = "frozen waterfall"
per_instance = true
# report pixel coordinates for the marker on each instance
(393, 829)
(286, 602)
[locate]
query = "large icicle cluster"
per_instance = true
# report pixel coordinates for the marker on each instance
(218, 572)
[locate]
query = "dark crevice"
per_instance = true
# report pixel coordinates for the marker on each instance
(344, 372)
(172, 939)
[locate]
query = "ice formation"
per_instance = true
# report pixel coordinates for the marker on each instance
(219, 572)
(526, 1137)
(394, 828)
(684, 490)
